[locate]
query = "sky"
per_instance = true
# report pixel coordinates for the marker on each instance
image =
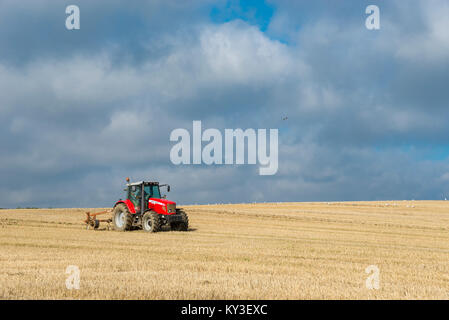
(81, 110)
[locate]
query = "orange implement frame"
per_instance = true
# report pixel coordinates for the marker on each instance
(92, 221)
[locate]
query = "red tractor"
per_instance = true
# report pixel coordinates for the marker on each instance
(145, 208)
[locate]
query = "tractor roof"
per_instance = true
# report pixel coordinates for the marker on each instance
(142, 182)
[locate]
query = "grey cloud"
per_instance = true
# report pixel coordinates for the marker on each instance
(36, 29)
(74, 124)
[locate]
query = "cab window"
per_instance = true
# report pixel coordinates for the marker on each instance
(152, 191)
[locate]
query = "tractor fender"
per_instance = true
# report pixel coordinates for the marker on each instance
(128, 203)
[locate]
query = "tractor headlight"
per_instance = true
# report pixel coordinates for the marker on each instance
(171, 208)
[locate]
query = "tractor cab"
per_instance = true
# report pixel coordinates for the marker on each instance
(149, 190)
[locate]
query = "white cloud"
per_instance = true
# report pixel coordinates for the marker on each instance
(239, 53)
(431, 42)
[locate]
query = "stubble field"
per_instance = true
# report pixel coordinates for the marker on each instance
(238, 251)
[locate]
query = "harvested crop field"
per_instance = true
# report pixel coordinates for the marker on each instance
(238, 251)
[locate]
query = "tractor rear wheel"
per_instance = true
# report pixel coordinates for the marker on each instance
(184, 224)
(151, 222)
(122, 218)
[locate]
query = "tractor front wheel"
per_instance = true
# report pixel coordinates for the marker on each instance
(151, 222)
(182, 225)
(122, 218)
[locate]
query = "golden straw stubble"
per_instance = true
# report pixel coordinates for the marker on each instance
(236, 251)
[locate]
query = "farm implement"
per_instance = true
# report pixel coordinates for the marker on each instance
(92, 221)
